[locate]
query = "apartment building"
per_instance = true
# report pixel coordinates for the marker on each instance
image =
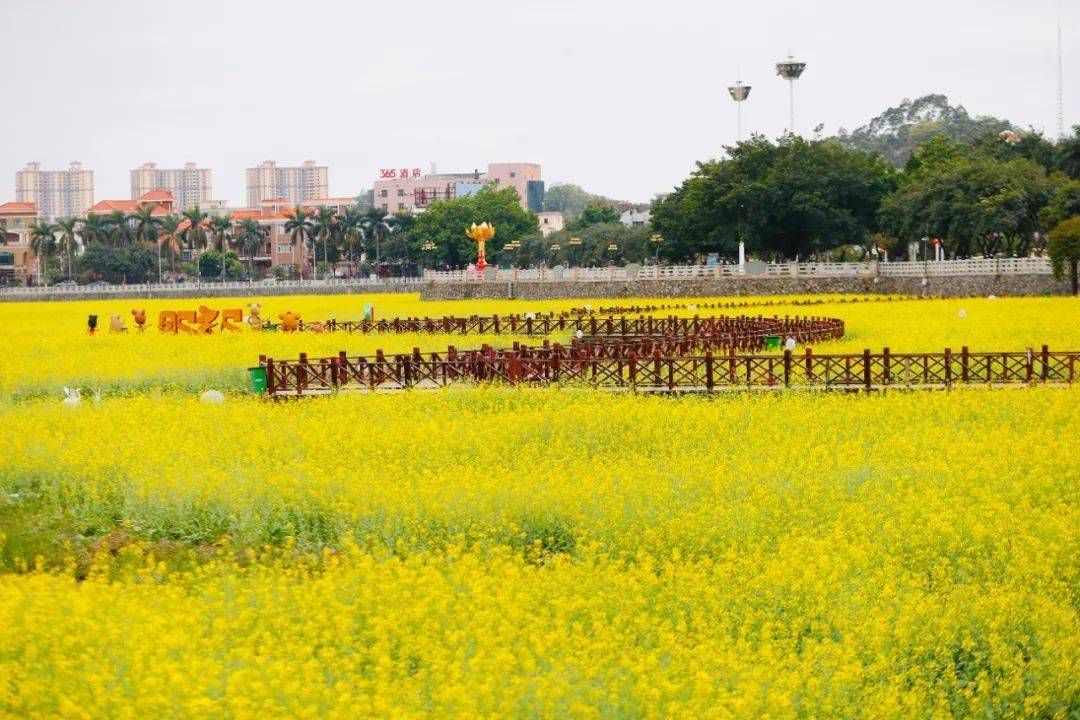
(410, 190)
(295, 184)
(17, 260)
(56, 193)
(273, 214)
(189, 185)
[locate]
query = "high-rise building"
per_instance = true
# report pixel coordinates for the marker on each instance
(293, 184)
(189, 185)
(56, 193)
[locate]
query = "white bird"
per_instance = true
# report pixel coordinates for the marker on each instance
(73, 396)
(212, 396)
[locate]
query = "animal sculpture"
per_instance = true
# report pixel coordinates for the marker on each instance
(254, 321)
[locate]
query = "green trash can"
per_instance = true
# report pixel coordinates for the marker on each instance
(258, 379)
(772, 342)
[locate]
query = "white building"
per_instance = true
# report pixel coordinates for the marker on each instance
(551, 221)
(56, 193)
(294, 184)
(189, 185)
(635, 218)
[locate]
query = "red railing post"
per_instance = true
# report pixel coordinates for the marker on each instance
(964, 360)
(948, 367)
(886, 364)
(867, 379)
(787, 368)
(271, 385)
(1045, 363)
(709, 370)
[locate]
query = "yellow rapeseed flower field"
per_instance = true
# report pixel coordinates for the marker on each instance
(515, 552)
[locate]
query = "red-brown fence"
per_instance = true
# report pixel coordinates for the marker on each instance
(666, 369)
(648, 354)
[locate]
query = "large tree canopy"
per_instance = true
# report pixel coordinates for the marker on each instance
(444, 223)
(974, 202)
(792, 198)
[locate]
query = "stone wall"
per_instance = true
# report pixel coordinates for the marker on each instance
(966, 285)
(255, 290)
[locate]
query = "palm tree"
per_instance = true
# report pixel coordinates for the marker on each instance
(146, 228)
(219, 227)
(300, 228)
(95, 229)
(351, 230)
(170, 233)
(68, 230)
(325, 227)
(195, 234)
(251, 238)
(43, 243)
(376, 227)
(120, 232)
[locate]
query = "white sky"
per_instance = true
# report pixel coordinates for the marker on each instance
(618, 96)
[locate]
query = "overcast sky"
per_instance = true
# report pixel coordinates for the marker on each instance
(620, 97)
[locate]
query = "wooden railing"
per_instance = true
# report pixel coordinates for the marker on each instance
(666, 366)
(649, 354)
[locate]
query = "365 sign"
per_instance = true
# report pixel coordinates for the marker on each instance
(402, 174)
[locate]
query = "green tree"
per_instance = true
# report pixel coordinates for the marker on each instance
(145, 222)
(1063, 205)
(972, 202)
(210, 265)
(147, 229)
(220, 228)
(1064, 250)
(170, 237)
(567, 198)
(68, 229)
(251, 236)
(1067, 154)
(377, 227)
(1031, 146)
(120, 230)
(444, 223)
(300, 228)
(95, 229)
(595, 214)
(43, 243)
(792, 198)
(325, 230)
(351, 229)
(194, 235)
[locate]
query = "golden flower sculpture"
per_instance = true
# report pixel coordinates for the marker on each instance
(480, 233)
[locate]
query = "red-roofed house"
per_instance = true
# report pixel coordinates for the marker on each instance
(162, 201)
(17, 261)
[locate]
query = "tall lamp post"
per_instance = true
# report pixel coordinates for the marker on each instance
(613, 248)
(575, 242)
(429, 248)
(739, 93)
(791, 70)
(555, 248)
(656, 240)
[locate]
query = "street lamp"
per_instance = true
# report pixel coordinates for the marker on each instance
(739, 93)
(613, 248)
(429, 247)
(575, 242)
(791, 70)
(656, 240)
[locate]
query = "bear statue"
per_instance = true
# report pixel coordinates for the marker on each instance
(254, 321)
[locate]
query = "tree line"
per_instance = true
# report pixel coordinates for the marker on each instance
(138, 246)
(815, 198)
